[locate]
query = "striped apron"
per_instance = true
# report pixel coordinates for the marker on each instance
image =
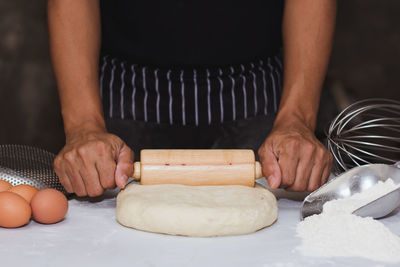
(190, 96)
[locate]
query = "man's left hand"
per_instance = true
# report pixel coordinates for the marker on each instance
(292, 158)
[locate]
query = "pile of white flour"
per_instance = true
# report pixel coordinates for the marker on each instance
(336, 232)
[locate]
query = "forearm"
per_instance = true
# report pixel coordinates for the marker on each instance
(74, 33)
(308, 27)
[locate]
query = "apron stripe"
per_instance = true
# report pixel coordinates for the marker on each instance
(158, 96)
(221, 101)
(264, 90)
(171, 117)
(244, 93)
(233, 94)
(279, 72)
(122, 91)
(255, 90)
(196, 104)
(183, 98)
(102, 75)
(146, 94)
(279, 62)
(133, 92)
(111, 87)
(209, 96)
(273, 84)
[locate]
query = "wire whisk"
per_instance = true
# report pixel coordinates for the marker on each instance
(365, 132)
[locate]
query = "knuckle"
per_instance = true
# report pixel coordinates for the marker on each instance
(69, 156)
(82, 151)
(321, 155)
(100, 146)
(309, 147)
(309, 154)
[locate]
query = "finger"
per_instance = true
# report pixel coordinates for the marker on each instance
(65, 181)
(106, 167)
(124, 166)
(303, 172)
(91, 178)
(327, 168)
(325, 173)
(85, 164)
(76, 180)
(62, 176)
(270, 167)
(288, 164)
(316, 175)
(322, 160)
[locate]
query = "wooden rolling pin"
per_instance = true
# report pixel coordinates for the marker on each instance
(197, 167)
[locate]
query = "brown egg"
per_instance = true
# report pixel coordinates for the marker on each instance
(14, 210)
(24, 190)
(4, 186)
(49, 206)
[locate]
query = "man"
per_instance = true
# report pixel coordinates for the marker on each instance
(189, 74)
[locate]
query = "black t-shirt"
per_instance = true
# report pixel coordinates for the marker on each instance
(188, 33)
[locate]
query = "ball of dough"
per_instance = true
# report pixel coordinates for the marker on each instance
(196, 210)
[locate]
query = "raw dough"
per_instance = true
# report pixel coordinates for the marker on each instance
(196, 210)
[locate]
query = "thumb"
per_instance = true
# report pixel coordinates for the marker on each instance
(270, 166)
(124, 166)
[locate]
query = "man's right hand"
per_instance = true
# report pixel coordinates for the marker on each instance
(92, 161)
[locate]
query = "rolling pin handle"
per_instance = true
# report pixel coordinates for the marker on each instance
(136, 170)
(257, 170)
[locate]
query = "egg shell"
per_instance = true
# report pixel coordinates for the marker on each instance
(4, 186)
(49, 206)
(24, 190)
(14, 210)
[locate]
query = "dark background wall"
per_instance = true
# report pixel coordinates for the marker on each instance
(365, 63)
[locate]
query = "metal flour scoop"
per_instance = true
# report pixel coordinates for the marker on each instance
(354, 181)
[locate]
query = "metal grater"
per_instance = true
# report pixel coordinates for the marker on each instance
(21, 164)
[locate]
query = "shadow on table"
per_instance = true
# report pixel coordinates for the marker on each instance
(281, 193)
(108, 194)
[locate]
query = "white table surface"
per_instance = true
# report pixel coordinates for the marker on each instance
(90, 236)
